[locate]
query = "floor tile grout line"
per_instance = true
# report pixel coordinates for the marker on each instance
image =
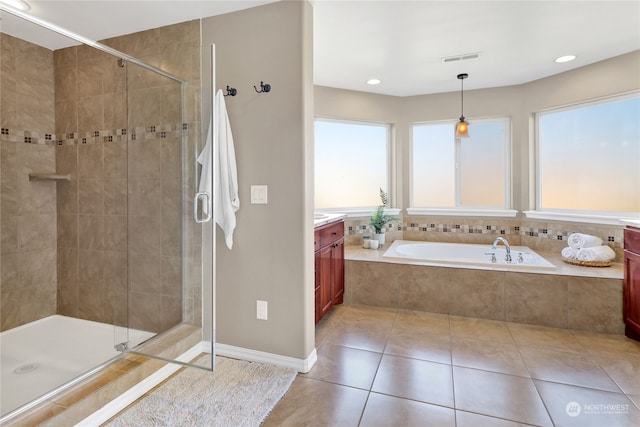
(584, 351)
(599, 390)
(520, 345)
(494, 416)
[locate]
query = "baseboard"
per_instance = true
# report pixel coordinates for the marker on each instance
(128, 397)
(300, 365)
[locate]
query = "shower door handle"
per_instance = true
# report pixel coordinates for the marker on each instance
(204, 197)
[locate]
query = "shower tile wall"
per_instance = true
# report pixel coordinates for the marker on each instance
(94, 214)
(64, 245)
(155, 245)
(27, 209)
(92, 250)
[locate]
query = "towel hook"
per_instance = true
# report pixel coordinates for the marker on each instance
(231, 91)
(263, 87)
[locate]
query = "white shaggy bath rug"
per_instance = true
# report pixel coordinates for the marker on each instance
(237, 393)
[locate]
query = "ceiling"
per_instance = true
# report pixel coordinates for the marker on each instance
(400, 42)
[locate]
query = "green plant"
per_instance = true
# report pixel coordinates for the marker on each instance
(378, 218)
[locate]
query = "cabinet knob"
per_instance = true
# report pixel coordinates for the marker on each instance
(335, 233)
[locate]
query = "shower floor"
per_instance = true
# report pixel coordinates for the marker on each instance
(43, 355)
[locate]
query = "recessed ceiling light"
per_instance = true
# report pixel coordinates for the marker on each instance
(565, 58)
(18, 4)
(374, 81)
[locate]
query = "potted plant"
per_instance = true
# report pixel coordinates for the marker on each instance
(379, 219)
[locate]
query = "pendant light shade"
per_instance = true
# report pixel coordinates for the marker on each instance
(462, 127)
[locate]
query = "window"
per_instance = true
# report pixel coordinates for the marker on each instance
(464, 173)
(589, 158)
(351, 164)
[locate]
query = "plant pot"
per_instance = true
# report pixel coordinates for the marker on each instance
(379, 237)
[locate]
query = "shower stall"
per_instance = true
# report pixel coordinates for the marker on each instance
(102, 252)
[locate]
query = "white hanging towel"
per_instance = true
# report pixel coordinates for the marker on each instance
(222, 161)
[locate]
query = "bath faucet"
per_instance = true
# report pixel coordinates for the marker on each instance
(507, 257)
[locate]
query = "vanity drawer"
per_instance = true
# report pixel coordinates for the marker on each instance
(330, 233)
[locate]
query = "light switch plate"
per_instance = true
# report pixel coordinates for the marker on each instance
(259, 194)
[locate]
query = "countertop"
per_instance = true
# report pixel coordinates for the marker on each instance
(633, 222)
(616, 271)
(326, 219)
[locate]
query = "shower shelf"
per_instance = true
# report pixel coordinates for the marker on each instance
(48, 177)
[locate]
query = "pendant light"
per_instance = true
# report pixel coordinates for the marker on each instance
(462, 127)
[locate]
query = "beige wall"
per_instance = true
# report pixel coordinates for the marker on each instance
(27, 209)
(272, 253)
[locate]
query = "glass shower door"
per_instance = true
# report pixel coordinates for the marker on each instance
(165, 263)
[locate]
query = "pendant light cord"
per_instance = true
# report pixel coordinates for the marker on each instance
(462, 97)
(461, 77)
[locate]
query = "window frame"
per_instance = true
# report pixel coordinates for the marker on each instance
(358, 211)
(468, 210)
(574, 215)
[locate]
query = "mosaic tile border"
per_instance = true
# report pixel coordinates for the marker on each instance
(140, 133)
(613, 239)
(27, 137)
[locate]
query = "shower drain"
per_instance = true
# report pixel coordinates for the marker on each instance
(26, 368)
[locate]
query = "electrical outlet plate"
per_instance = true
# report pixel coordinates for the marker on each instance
(261, 310)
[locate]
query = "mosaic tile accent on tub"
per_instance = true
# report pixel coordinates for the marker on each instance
(615, 238)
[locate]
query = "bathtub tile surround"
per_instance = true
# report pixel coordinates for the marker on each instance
(563, 299)
(479, 294)
(558, 298)
(416, 294)
(537, 299)
(546, 237)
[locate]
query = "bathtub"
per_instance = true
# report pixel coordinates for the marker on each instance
(468, 254)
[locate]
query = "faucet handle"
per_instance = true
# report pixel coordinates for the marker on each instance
(507, 258)
(493, 256)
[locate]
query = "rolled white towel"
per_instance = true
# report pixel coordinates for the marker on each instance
(597, 253)
(579, 241)
(569, 252)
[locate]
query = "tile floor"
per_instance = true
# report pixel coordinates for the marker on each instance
(382, 367)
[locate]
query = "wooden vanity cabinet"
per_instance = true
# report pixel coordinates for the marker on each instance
(329, 267)
(631, 287)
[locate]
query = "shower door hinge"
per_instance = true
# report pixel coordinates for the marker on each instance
(122, 347)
